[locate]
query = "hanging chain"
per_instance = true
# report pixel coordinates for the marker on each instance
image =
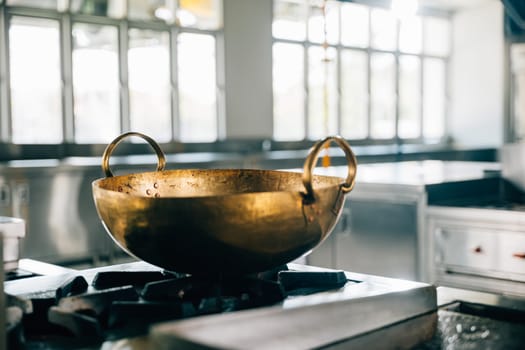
(326, 66)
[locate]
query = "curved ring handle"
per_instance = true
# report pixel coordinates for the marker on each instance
(111, 147)
(311, 161)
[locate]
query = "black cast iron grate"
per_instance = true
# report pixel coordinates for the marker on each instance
(125, 303)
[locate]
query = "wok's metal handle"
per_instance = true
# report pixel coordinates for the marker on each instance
(109, 149)
(311, 161)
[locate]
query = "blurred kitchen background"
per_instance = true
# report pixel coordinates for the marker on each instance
(429, 93)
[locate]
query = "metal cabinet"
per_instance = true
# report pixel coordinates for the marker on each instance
(479, 251)
(378, 233)
(477, 248)
(61, 221)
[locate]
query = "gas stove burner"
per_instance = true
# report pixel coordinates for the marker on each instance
(119, 304)
(138, 305)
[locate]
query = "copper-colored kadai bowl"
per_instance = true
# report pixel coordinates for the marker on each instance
(227, 221)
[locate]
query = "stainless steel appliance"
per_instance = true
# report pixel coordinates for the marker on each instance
(477, 236)
(475, 320)
(297, 307)
(12, 230)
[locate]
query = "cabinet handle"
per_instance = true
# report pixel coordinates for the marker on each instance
(519, 255)
(478, 250)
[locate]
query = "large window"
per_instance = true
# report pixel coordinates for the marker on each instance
(79, 72)
(82, 72)
(95, 82)
(197, 87)
(368, 74)
(149, 89)
(34, 56)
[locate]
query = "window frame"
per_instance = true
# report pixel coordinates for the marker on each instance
(369, 51)
(68, 147)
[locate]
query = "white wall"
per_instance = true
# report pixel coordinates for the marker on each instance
(248, 68)
(476, 113)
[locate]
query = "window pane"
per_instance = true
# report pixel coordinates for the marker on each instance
(35, 80)
(289, 20)
(410, 35)
(322, 88)
(147, 10)
(437, 36)
(202, 14)
(384, 29)
(197, 87)
(316, 22)
(288, 92)
(95, 83)
(354, 94)
(149, 83)
(409, 97)
(354, 25)
(383, 95)
(47, 4)
(109, 8)
(332, 22)
(434, 98)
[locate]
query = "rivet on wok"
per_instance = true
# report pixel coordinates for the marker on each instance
(148, 192)
(157, 195)
(156, 185)
(120, 188)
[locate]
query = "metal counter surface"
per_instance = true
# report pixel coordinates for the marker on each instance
(461, 331)
(417, 173)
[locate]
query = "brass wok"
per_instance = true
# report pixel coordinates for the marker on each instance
(221, 220)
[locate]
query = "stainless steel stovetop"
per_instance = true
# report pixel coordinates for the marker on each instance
(366, 311)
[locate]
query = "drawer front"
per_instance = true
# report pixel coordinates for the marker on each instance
(484, 252)
(512, 250)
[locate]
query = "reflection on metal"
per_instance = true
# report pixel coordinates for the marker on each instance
(63, 215)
